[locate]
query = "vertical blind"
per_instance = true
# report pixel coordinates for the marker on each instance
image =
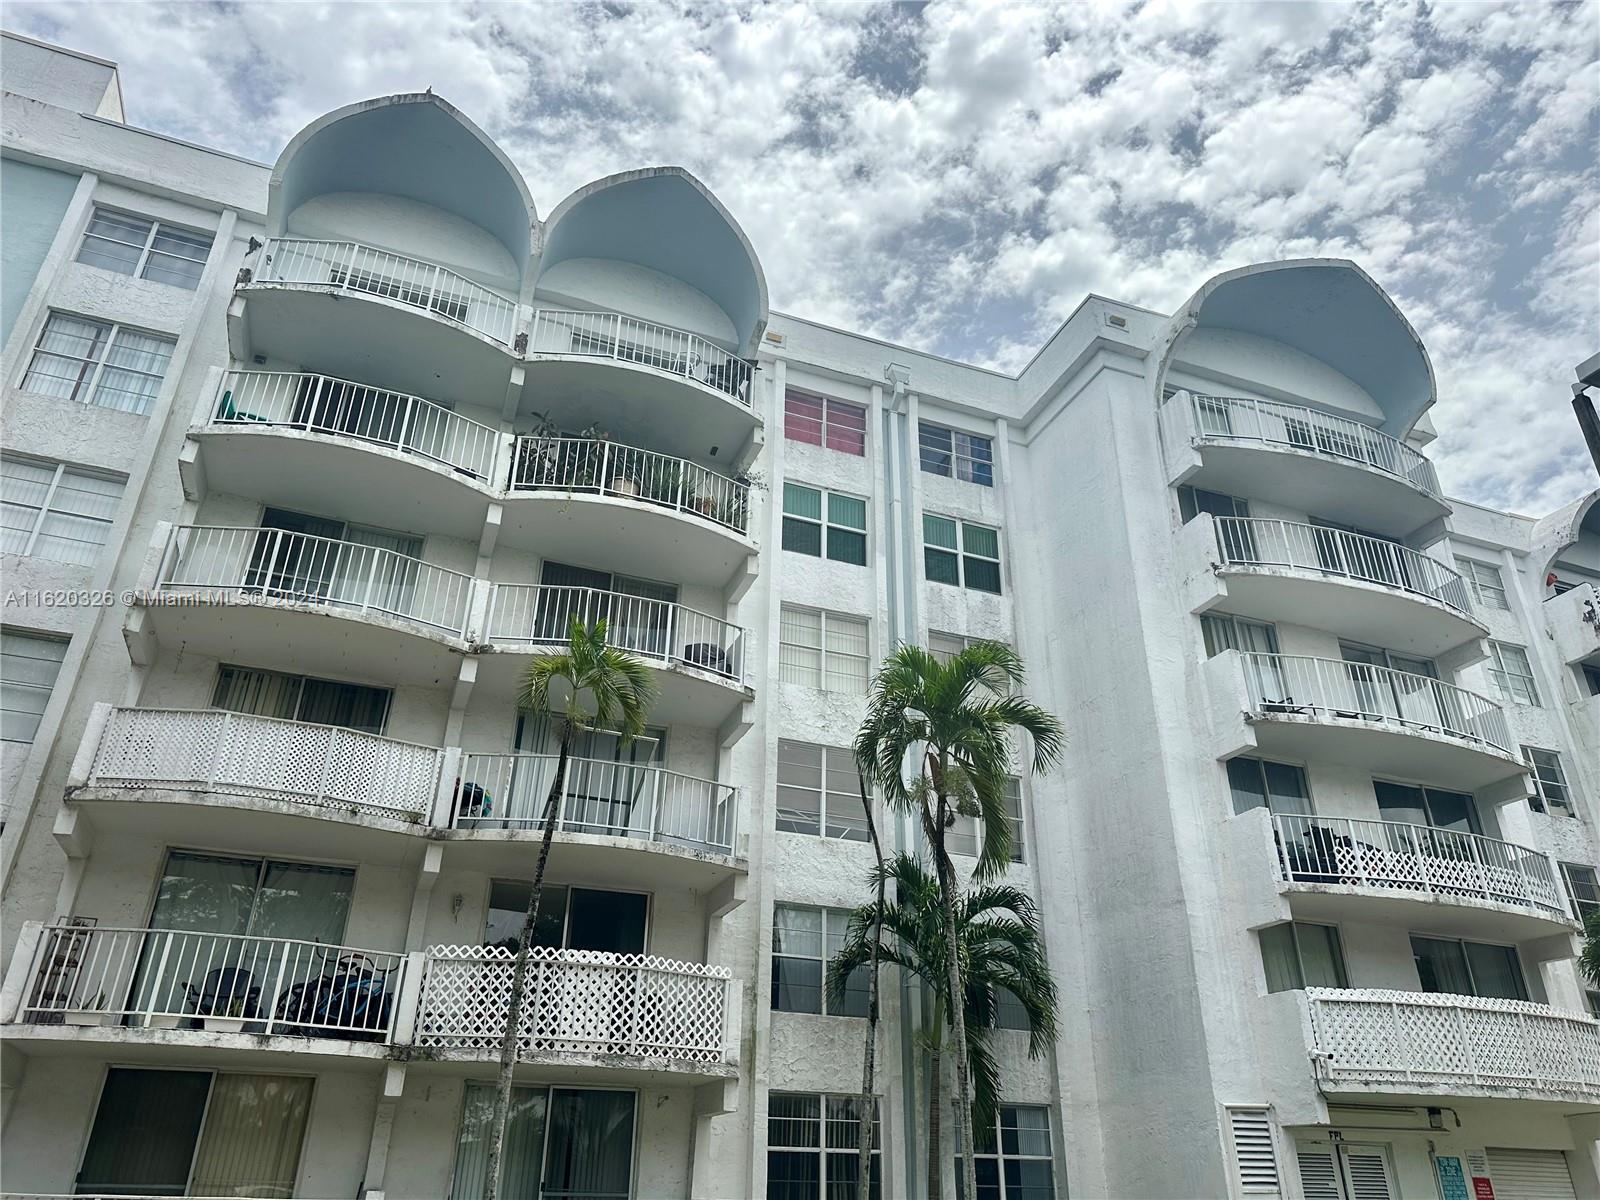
(251, 1143)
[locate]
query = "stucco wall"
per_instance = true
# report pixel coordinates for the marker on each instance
(35, 199)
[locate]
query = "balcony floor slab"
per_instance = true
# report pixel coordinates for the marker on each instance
(1439, 913)
(595, 1069)
(594, 859)
(1383, 748)
(197, 1048)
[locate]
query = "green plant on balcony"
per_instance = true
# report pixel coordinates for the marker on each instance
(662, 482)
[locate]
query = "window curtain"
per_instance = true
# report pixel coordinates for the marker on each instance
(1278, 958)
(303, 900)
(254, 1129)
(591, 1145)
(393, 575)
(1441, 966)
(524, 1146)
(144, 1132)
(257, 693)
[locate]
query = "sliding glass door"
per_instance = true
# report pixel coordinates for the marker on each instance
(561, 1144)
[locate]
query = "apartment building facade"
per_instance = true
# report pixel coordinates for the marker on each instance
(306, 462)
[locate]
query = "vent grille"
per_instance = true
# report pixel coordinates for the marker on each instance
(1255, 1155)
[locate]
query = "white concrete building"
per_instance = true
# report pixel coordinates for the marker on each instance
(305, 462)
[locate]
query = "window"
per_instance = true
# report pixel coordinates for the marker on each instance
(1591, 679)
(29, 664)
(824, 421)
(571, 1141)
(843, 534)
(1584, 888)
(1224, 632)
(822, 650)
(819, 791)
(1278, 787)
(963, 836)
(1593, 999)
(804, 941)
(973, 562)
(136, 246)
(949, 452)
(812, 1146)
(98, 363)
(1512, 674)
(570, 918)
(1012, 1158)
(1193, 501)
(1488, 589)
(52, 511)
(1009, 1012)
(1297, 955)
(1549, 780)
(300, 698)
(1457, 968)
(1435, 807)
(196, 1133)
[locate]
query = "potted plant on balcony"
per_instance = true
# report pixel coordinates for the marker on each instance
(663, 483)
(92, 1013)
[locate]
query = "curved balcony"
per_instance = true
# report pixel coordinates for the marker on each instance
(666, 517)
(1363, 588)
(1382, 720)
(85, 978)
(372, 314)
(1325, 861)
(378, 456)
(675, 388)
(583, 1008)
(1425, 1044)
(268, 595)
(1301, 458)
(699, 658)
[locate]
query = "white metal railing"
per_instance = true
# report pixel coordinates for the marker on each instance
(1256, 541)
(592, 465)
(542, 614)
(1289, 684)
(1396, 856)
(1377, 1037)
(620, 799)
(578, 1002)
(1234, 418)
(353, 267)
(172, 978)
(627, 339)
(323, 404)
(234, 753)
(257, 562)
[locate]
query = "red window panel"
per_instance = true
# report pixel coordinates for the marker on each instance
(802, 418)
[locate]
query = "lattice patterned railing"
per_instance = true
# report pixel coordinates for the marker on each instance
(578, 1002)
(1395, 856)
(236, 754)
(1417, 1039)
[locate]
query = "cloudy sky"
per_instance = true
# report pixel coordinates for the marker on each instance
(956, 177)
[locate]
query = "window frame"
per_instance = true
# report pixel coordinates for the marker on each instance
(835, 924)
(1463, 943)
(1335, 941)
(10, 682)
(966, 828)
(826, 526)
(823, 651)
(1471, 570)
(995, 1139)
(1502, 676)
(87, 388)
(1582, 905)
(1544, 789)
(820, 1147)
(955, 454)
(1267, 793)
(826, 421)
(147, 248)
(961, 554)
(826, 767)
(59, 472)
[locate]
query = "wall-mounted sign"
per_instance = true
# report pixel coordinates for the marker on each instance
(1452, 1178)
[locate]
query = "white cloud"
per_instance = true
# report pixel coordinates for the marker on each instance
(959, 177)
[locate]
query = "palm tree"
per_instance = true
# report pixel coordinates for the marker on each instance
(869, 1055)
(956, 717)
(595, 687)
(998, 935)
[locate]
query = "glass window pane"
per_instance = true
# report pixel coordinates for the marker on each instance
(1286, 789)
(524, 1144)
(1398, 802)
(254, 1128)
(849, 511)
(981, 540)
(802, 418)
(941, 566)
(938, 531)
(1321, 960)
(793, 1175)
(144, 1132)
(846, 427)
(797, 931)
(982, 575)
(796, 984)
(590, 1145)
(1441, 966)
(1496, 971)
(29, 666)
(802, 501)
(794, 1120)
(802, 537)
(1278, 958)
(935, 449)
(847, 547)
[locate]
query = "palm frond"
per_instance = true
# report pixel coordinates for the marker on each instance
(618, 685)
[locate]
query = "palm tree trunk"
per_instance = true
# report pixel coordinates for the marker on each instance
(935, 1121)
(869, 1055)
(958, 1020)
(519, 975)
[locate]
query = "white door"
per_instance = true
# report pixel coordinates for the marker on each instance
(1531, 1175)
(1345, 1171)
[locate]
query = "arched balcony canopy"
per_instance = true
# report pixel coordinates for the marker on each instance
(1329, 310)
(664, 220)
(415, 146)
(1554, 535)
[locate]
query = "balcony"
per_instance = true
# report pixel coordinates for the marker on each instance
(175, 987)
(1359, 587)
(1574, 621)
(699, 658)
(617, 1014)
(1381, 720)
(675, 389)
(1336, 867)
(1301, 458)
(1422, 1044)
(232, 591)
(317, 443)
(666, 517)
(371, 314)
